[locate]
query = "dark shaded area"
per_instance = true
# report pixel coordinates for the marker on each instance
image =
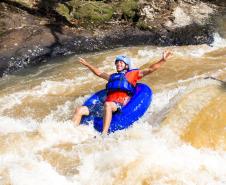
(217, 2)
(50, 12)
(55, 25)
(121, 36)
(223, 83)
(3, 66)
(42, 11)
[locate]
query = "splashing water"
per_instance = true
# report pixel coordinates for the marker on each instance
(181, 139)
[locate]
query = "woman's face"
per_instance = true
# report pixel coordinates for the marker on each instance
(120, 65)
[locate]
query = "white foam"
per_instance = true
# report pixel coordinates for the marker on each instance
(146, 55)
(45, 88)
(11, 100)
(12, 125)
(34, 172)
(219, 42)
(139, 153)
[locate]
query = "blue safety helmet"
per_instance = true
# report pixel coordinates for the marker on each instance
(125, 59)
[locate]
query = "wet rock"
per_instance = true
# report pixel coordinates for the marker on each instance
(29, 37)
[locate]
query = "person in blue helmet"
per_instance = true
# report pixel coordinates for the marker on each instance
(120, 87)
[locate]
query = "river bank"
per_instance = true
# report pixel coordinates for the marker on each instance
(30, 35)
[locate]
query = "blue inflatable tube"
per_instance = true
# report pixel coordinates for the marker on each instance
(130, 113)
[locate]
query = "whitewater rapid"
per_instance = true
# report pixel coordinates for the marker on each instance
(181, 139)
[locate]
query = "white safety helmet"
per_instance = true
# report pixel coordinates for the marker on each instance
(125, 59)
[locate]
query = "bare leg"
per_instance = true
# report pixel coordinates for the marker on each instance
(79, 112)
(109, 108)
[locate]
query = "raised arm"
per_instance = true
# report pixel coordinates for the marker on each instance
(95, 70)
(155, 66)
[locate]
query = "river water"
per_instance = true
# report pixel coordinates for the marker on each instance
(181, 139)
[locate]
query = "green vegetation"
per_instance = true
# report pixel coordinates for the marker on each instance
(2, 28)
(89, 12)
(1, 33)
(64, 11)
(97, 12)
(94, 11)
(142, 25)
(129, 8)
(26, 3)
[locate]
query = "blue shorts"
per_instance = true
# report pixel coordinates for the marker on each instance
(119, 106)
(97, 109)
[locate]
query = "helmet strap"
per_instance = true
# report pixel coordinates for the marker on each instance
(126, 67)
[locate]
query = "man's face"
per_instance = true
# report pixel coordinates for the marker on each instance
(120, 65)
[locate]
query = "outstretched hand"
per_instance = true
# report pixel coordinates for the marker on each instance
(83, 61)
(166, 54)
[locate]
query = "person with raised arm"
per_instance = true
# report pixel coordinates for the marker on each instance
(120, 87)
